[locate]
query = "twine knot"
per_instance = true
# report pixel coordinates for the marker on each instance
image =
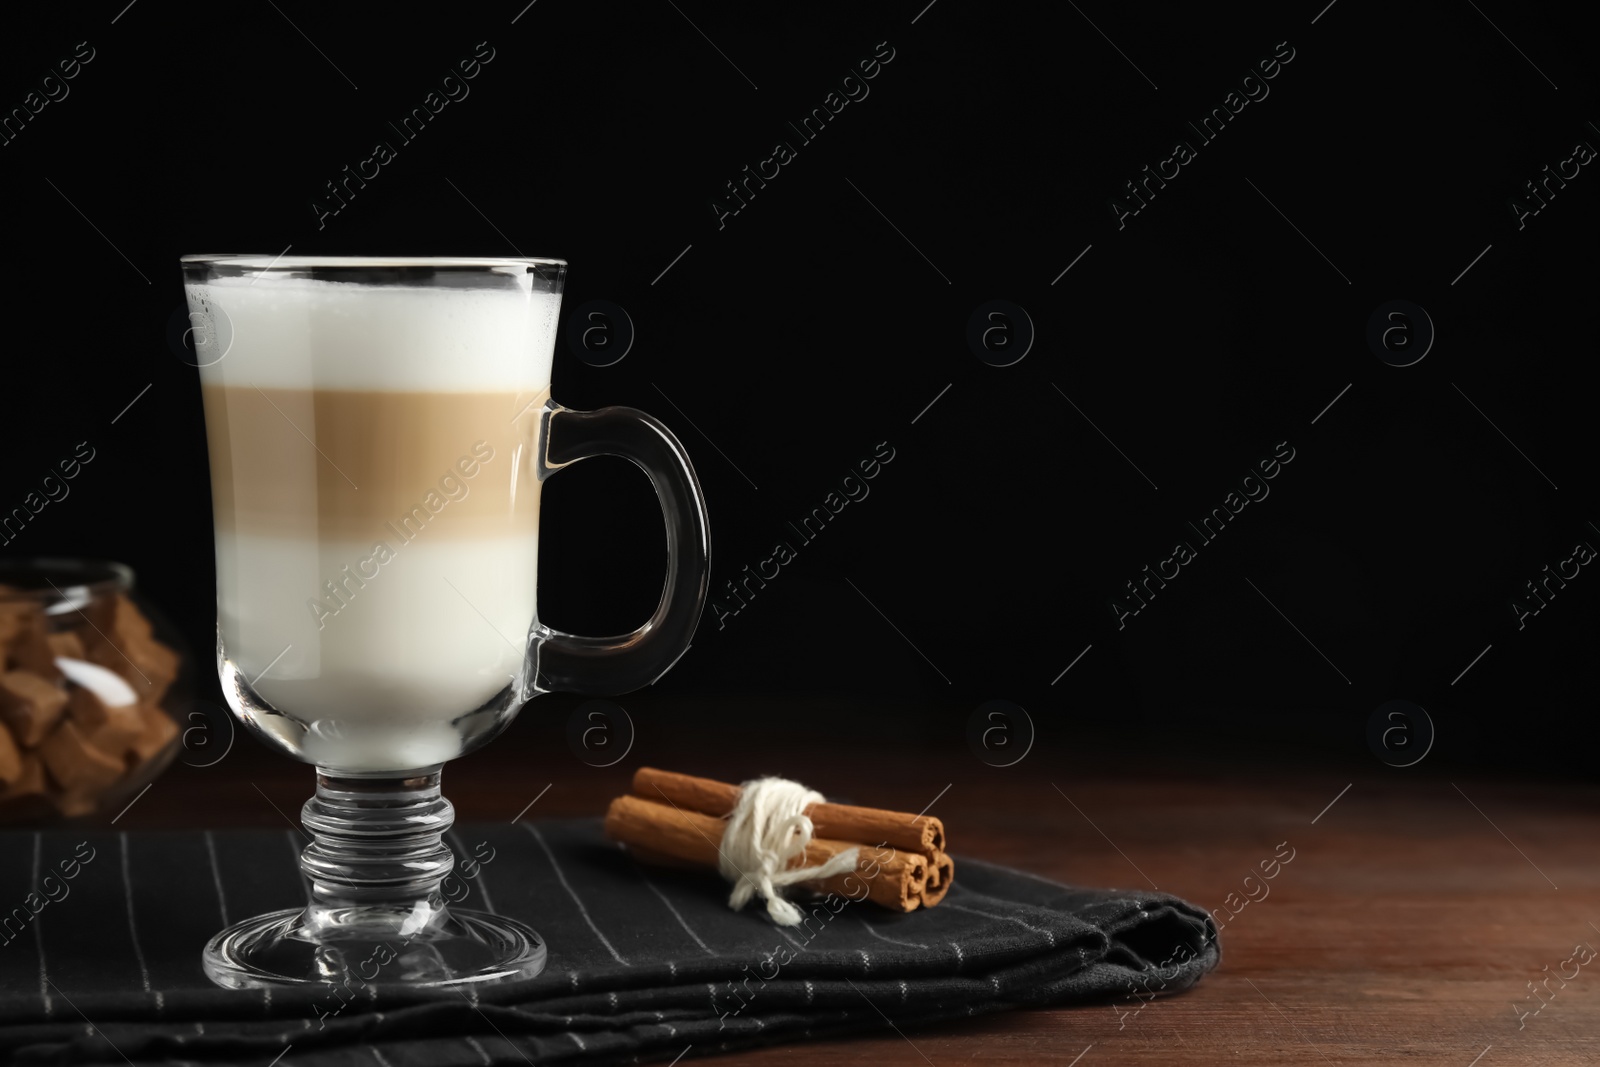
(767, 829)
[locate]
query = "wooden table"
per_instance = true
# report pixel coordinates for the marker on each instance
(1416, 909)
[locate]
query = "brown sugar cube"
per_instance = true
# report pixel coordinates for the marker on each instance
(10, 759)
(110, 728)
(114, 740)
(74, 764)
(75, 802)
(31, 652)
(29, 780)
(158, 663)
(89, 711)
(29, 705)
(117, 622)
(141, 661)
(127, 620)
(67, 645)
(14, 619)
(26, 799)
(104, 614)
(158, 732)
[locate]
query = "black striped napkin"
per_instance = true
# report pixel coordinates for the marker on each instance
(100, 939)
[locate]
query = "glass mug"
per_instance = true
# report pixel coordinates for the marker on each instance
(379, 430)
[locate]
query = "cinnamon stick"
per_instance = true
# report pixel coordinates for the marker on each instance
(841, 822)
(941, 871)
(655, 831)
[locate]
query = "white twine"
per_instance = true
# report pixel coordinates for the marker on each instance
(768, 829)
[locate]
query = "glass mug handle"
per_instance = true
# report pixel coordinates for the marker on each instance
(608, 666)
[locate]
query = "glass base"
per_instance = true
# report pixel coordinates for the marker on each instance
(460, 948)
(379, 876)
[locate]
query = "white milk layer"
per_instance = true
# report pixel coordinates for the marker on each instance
(396, 651)
(299, 333)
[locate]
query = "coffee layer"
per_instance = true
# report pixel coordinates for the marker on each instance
(338, 464)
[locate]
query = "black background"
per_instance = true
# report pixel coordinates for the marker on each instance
(785, 344)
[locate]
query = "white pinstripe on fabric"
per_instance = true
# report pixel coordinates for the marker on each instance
(38, 935)
(885, 937)
(537, 836)
(1050, 937)
(676, 915)
(127, 898)
(216, 877)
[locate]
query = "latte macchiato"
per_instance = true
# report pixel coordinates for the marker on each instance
(377, 499)
(379, 428)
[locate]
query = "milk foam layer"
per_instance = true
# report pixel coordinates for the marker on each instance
(302, 333)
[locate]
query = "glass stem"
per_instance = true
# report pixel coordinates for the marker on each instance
(377, 859)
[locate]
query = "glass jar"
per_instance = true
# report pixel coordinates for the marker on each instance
(89, 675)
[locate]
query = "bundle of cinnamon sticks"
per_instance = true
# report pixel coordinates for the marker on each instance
(678, 820)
